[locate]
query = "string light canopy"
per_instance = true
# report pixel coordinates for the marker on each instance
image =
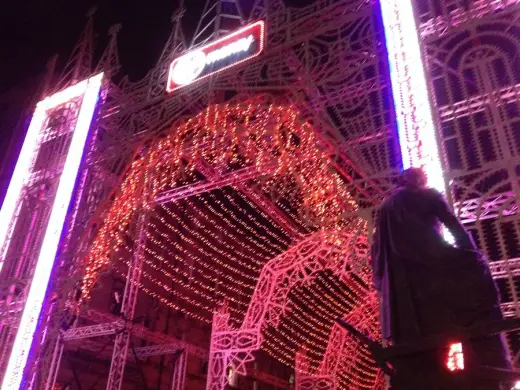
(207, 240)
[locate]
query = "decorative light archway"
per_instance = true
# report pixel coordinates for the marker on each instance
(260, 141)
(337, 251)
(344, 355)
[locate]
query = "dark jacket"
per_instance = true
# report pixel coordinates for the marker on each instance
(426, 285)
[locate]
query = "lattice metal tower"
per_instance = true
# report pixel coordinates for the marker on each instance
(251, 243)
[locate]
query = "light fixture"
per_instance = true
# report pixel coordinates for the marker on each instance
(455, 360)
(217, 56)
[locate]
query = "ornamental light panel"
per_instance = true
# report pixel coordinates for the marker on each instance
(415, 123)
(455, 360)
(229, 51)
(85, 94)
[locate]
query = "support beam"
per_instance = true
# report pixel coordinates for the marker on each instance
(444, 24)
(479, 209)
(510, 309)
(478, 103)
(160, 338)
(85, 332)
(179, 372)
(122, 342)
(267, 206)
(258, 198)
(55, 365)
(224, 180)
(140, 331)
(504, 268)
(158, 350)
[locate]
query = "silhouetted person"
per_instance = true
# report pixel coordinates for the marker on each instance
(427, 286)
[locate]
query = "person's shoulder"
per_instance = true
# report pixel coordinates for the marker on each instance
(396, 196)
(433, 193)
(410, 193)
(393, 195)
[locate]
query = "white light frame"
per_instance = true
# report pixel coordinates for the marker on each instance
(90, 90)
(416, 127)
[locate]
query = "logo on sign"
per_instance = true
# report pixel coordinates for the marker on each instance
(188, 68)
(223, 54)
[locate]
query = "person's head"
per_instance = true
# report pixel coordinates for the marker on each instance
(412, 178)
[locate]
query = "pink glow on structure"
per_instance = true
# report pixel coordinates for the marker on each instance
(90, 90)
(455, 360)
(415, 123)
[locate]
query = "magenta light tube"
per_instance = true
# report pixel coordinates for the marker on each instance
(415, 123)
(90, 90)
(22, 171)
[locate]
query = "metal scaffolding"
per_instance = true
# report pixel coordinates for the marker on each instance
(325, 66)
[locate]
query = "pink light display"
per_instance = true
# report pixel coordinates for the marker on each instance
(89, 89)
(416, 128)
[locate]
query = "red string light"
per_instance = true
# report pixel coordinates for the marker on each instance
(220, 252)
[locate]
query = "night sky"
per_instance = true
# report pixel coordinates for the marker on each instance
(32, 31)
(31, 34)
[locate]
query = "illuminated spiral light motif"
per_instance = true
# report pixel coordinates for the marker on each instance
(210, 247)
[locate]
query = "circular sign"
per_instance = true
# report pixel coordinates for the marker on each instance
(187, 68)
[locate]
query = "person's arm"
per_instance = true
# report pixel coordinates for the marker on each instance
(462, 238)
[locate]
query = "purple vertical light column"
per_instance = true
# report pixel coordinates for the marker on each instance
(417, 138)
(89, 89)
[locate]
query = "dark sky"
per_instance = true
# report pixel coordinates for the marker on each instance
(32, 31)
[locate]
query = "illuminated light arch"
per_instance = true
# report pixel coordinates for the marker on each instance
(338, 251)
(259, 129)
(343, 351)
(266, 139)
(299, 265)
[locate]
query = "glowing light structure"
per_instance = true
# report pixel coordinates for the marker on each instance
(416, 128)
(342, 349)
(325, 200)
(87, 92)
(455, 361)
(228, 227)
(289, 218)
